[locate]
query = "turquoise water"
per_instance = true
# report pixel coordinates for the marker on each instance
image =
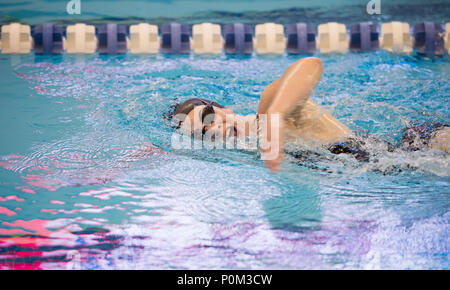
(87, 166)
(89, 178)
(222, 11)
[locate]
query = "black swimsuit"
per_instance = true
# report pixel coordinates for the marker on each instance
(351, 146)
(422, 133)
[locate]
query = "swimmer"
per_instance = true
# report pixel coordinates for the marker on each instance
(301, 120)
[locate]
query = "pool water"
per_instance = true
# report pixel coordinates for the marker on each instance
(89, 178)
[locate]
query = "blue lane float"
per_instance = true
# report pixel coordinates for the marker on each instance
(48, 39)
(301, 38)
(238, 38)
(176, 38)
(428, 39)
(112, 39)
(364, 37)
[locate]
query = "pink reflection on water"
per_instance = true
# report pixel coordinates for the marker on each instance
(11, 197)
(33, 244)
(55, 169)
(4, 210)
(40, 181)
(50, 211)
(26, 189)
(306, 248)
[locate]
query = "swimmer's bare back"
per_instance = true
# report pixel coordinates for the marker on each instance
(299, 117)
(441, 140)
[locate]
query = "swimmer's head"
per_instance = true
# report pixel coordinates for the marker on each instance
(201, 115)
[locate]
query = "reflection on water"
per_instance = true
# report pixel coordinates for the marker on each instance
(89, 179)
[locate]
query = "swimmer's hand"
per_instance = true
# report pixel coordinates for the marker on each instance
(272, 126)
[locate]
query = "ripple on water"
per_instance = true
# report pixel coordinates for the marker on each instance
(110, 164)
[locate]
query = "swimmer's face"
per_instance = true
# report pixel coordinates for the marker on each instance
(212, 120)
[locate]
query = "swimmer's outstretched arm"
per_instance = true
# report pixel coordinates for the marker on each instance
(267, 96)
(285, 94)
(293, 88)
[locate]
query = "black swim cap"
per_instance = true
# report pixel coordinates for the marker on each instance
(180, 111)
